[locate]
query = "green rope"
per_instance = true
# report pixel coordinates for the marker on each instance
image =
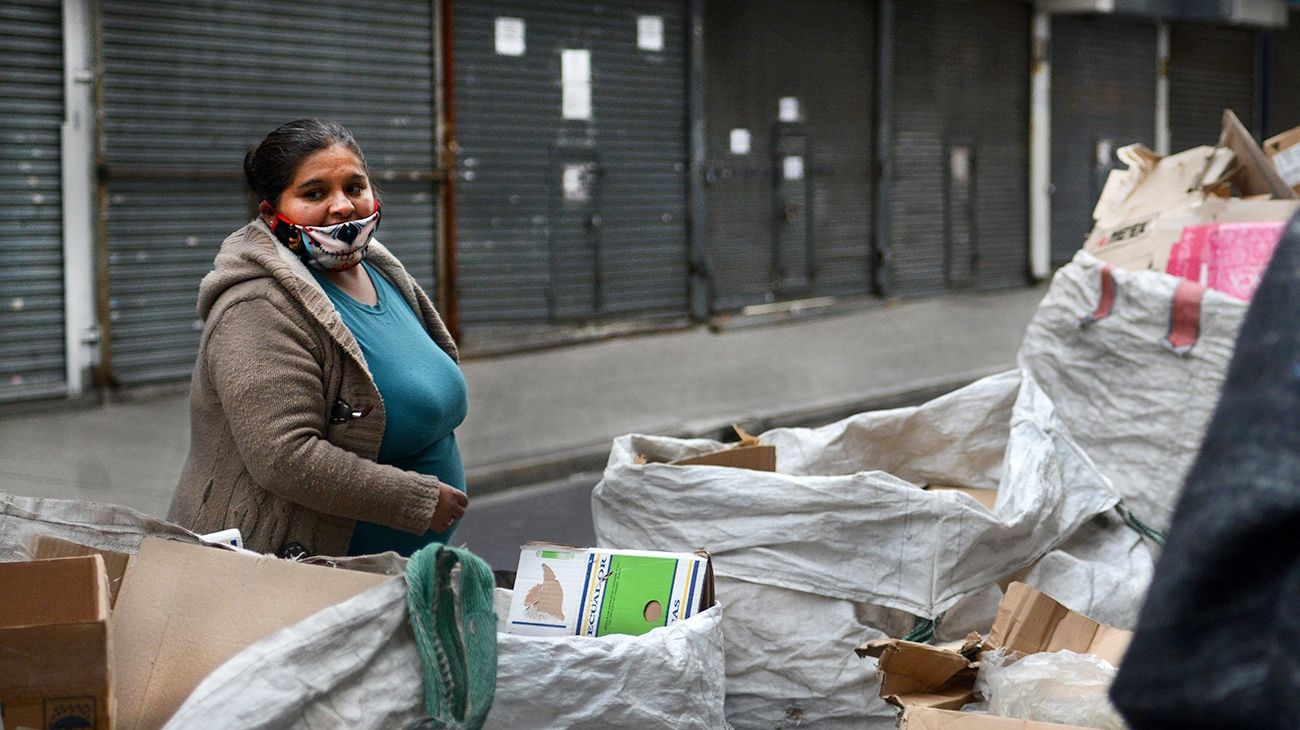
(1141, 527)
(460, 670)
(923, 631)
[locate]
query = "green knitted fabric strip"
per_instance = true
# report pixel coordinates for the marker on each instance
(455, 633)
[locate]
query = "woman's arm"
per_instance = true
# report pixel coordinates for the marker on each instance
(261, 365)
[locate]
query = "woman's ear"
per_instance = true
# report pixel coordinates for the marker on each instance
(265, 210)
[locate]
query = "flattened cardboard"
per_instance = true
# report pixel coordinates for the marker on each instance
(1283, 151)
(45, 547)
(565, 591)
(759, 457)
(56, 661)
(921, 718)
(184, 610)
(1257, 175)
(1028, 622)
(921, 675)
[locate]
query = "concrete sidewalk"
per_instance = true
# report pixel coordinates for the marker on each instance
(541, 415)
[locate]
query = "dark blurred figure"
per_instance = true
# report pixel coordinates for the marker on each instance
(1218, 641)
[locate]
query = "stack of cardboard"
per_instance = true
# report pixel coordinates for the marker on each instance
(931, 684)
(1210, 214)
(111, 640)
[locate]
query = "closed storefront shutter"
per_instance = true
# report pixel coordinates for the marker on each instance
(1103, 97)
(1210, 69)
(1284, 74)
(190, 86)
(31, 270)
(960, 155)
(571, 137)
(790, 140)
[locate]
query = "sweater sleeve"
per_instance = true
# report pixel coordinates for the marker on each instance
(262, 367)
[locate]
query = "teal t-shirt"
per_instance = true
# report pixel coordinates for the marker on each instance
(424, 400)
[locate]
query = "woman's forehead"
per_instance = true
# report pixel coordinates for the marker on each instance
(334, 161)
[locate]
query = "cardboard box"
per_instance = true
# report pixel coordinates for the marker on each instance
(921, 718)
(1028, 621)
(45, 547)
(567, 591)
(1283, 151)
(183, 610)
(56, 659)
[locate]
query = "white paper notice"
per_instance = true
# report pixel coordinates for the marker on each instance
(789, 109)
(792, 167)
(510, 36)
(575, 75)
(740, 142)
(650, 32)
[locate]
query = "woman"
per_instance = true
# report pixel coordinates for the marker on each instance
(326, 391)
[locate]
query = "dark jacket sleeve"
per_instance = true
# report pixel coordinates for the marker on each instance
(1218, 640)
(262, 368)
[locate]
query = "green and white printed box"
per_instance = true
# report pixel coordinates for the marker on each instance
(569, 591)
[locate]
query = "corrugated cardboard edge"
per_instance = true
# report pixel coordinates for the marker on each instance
(921, 675)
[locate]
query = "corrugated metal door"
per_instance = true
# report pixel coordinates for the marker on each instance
(790, 134)
(190, 85)
(1284, 72)
(31, 269)
(961, 100)
(1103, 97)
(1210, 69)
(570, 202)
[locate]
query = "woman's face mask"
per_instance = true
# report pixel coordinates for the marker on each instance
(328, 248)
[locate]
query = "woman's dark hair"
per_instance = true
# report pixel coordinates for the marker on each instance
(270, 166)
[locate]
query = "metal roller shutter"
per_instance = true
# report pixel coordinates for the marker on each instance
(1103, 97)
(771, 236)
(1210, 69)
(960, 157)
(190, 86)
(566, 219)
(1284, 101)
(31, 220)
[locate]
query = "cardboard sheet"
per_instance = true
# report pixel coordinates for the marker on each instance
(919, 718)
(185, 609)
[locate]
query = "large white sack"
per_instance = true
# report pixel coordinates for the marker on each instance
(1135, 406)
(100, 526)
(841, 544)
(355, 665)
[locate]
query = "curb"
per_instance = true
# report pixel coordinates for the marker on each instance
(503, 476)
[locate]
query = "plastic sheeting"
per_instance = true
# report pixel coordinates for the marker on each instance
(1138, 408)
(841, 544)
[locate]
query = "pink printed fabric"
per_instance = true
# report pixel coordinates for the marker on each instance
(1228, 257)
(1238, 254)
(1186, 256)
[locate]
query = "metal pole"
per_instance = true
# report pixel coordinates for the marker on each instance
(1162, 88)
(1040, 149)
(77, 152)
(698, 216)
(448, 296)
(884, 270)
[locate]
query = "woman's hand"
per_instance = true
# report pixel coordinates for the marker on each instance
(451, 507)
